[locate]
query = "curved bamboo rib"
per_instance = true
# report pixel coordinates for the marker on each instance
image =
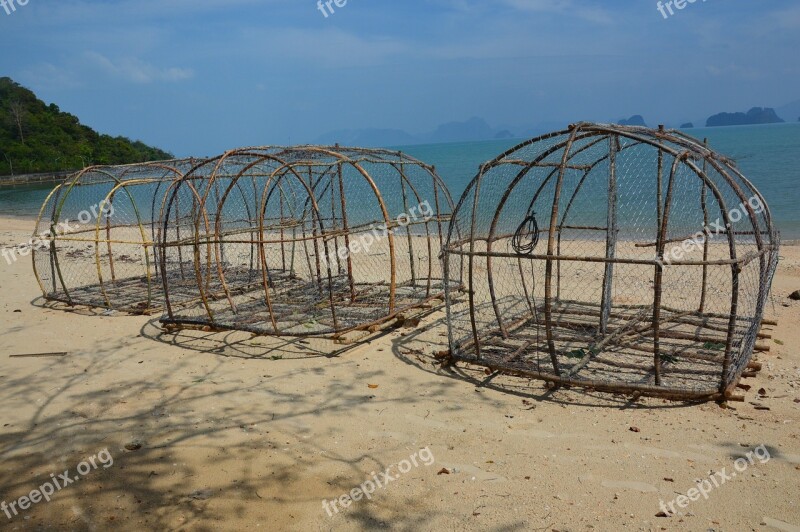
(306, 203)
(583, 324)
(90, 191)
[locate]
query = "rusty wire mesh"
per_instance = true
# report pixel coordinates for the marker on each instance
(302, 241)
(96, 233)
(621, 259)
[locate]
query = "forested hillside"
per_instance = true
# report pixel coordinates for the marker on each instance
(36, 137)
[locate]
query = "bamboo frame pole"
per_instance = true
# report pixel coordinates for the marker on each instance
(548, 286)
(611, 233)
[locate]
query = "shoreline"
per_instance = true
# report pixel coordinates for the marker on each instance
(244, 432)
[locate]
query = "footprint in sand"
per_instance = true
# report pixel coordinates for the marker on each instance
(472, 471)
(431, 422)
(781, 525)
(642, 487)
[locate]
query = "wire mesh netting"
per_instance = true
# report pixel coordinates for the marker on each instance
(95, 237)
(616, 258)
(302, 241)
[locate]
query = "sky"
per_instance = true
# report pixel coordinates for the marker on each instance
(197, 77)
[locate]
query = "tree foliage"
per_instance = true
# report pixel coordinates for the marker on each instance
(36, 137)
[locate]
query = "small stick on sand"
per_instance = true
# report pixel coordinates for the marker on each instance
(34, 355)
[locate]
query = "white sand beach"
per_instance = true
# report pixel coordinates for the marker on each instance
(224, 431)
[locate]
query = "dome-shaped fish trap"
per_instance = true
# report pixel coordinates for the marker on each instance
(620, 259)
(304, 241)
(93, 243)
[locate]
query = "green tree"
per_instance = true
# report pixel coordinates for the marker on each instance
(36, 137)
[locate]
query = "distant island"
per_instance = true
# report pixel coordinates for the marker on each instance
(478, 129)
(36, 137)
(756, 115)
(473, 129)
(635, 120)
(367, 137)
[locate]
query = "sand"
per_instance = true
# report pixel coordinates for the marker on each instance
(230, 432)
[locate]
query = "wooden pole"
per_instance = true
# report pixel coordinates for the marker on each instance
(703, 193)
(611, 233)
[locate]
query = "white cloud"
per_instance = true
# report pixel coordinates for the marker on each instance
(787, 18)
(568, 8)
(333, 47)
(49, 76)
(135, 70)
(564, 7)
(735, 71)
(71, 11)
(93, 65)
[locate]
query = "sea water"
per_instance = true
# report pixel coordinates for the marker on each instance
(769, 155)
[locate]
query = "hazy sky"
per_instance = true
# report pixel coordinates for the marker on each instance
(199, 76)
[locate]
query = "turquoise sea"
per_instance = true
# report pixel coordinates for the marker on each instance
(768, 155)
